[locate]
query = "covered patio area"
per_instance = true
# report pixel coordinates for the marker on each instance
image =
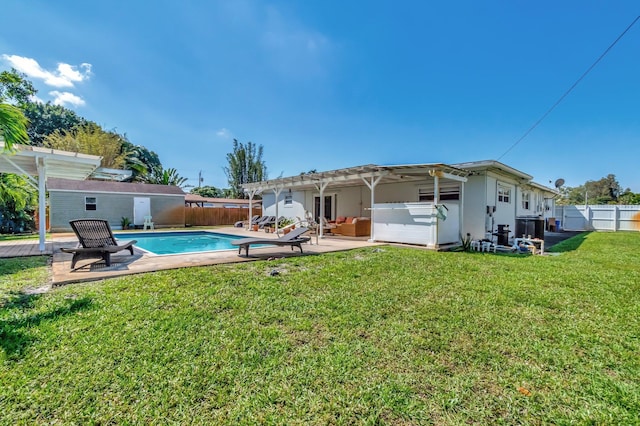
(416, 204)
(37, 164)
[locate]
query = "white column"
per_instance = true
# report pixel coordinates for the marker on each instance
(42, 199)
(321, 187)
(436, 200)
(372, 188)
(277, 192)
(436, 189)
(461, 211)
(251, 193)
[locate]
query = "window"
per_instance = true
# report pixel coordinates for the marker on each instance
(447, 192)
(288, 200)
(526, 196)
(90, 203)
(504, 194)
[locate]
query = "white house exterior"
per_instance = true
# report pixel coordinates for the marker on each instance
(424, 204)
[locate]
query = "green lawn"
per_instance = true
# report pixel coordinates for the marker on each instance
(377, 335)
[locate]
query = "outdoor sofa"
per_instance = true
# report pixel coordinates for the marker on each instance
(353, 226)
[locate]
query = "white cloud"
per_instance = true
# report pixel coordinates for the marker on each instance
(65, 75)
(66, 98)
(224, 133)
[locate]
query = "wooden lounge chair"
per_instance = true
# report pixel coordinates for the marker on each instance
(95, 241)
(293, 239)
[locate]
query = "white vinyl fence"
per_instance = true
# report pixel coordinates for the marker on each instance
(599, 218)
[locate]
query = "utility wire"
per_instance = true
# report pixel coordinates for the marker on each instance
(570, 89)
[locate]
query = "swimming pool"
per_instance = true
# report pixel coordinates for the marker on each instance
(180, 242)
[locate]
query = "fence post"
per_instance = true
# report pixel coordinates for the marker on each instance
(616, 211)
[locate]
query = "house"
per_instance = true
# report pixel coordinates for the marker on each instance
(76, 199)
(427, 204)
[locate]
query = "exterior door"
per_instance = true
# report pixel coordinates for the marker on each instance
(328, 205)
(141, 208)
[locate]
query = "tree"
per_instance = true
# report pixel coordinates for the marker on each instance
(208, 191)
(13, 126)
(15, 87)
(604, 191)
(45, 119)
(16, 196)
(629, 198)
(159, 176)
(245, 166)
(138, 159)
(90, 139)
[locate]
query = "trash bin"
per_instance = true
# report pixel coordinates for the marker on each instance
(557, 225)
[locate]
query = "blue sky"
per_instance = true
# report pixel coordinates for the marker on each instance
(332, 84)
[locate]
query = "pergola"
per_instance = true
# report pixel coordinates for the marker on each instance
(371, 175)
(32, 161)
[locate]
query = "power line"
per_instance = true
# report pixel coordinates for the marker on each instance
(570, 89)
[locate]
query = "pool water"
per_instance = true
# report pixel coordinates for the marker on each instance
(180, 242)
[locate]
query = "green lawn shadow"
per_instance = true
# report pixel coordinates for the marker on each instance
(16, 320)
(13, 265)
(570, 244)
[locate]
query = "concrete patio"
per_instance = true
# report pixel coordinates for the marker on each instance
(123, 263)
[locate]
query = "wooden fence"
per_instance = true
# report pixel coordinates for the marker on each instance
(212, 216)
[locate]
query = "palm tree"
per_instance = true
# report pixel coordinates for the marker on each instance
(13, 126)
(15, 193)
(165, 177)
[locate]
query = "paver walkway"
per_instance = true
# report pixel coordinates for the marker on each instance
(20, 248)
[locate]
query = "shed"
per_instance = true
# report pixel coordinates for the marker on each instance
(69, 199)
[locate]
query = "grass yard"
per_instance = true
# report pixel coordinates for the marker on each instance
(378, 335)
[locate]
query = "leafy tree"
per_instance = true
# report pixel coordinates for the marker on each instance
(629, 198)
(45, 119)
(15, 87)
(138, 159)
(245, 166)
(16, 198)
(159, 176)
(13, 126)
(90, 139)
(15, 191)
(208, 191)
(604, 191)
